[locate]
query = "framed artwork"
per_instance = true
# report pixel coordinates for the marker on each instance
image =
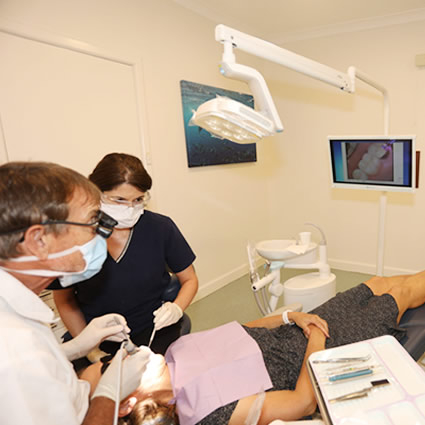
(203, 148)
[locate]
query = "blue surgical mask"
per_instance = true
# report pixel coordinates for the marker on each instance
(94, 253)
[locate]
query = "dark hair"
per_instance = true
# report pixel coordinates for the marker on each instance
(32, 192)
(149, 412)
(117, 168)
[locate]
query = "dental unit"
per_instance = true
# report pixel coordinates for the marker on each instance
(310, 290)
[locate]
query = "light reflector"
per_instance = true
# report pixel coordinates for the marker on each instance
(228, 119)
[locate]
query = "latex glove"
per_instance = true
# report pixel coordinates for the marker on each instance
(131, 374)
(111, 325)
(166, 315)
(96, 354)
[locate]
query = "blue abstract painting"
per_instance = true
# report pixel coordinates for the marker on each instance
(203, 148)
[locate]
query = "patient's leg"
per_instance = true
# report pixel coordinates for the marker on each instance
(407, 290)
(383, 284)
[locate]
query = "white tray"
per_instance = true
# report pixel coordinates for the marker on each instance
(402, 402)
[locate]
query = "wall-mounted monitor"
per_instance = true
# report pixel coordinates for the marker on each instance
(385, 163)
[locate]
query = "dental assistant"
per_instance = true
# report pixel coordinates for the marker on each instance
(51, 226)
(142, 250)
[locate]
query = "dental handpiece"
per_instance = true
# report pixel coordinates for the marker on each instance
(129, 345)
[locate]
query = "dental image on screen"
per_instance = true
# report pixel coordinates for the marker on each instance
(375, 162)
(370, 161)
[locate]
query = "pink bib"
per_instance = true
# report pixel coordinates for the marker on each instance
(212, 368)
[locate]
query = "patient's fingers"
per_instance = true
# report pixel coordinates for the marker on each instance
(303, 320)
(322, 325)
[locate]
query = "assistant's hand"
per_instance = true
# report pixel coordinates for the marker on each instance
(110, 326)
(133, 367)
(166, 315)
(303, 320)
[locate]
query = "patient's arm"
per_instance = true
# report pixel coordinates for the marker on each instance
(302, 320)
(286, 405)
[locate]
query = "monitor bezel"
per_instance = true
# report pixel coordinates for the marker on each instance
(371, 186)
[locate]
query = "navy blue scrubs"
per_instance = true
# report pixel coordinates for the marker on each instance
(133, 285)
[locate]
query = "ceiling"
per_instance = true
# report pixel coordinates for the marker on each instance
(281, 21)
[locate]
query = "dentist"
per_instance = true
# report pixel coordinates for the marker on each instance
(51, 227)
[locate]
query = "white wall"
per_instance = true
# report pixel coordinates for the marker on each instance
(219, 208)
(312, 110)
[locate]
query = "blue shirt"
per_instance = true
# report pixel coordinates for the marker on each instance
(133, 286)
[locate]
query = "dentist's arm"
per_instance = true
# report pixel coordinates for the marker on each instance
(101, 412)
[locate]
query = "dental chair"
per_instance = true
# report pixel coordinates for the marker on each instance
(413, 321)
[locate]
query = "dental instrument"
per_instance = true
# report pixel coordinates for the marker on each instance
(152, 337)
(343, 359)
(364, 392)
(349, 375)
(130, 347)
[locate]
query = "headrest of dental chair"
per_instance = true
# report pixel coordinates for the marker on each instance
(413, 321)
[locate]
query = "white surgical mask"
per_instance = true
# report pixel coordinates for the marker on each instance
(125, 215)
(94, 253)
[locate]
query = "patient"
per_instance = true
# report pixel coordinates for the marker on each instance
(368, 310)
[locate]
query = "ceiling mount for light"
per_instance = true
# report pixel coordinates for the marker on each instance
(228, 119)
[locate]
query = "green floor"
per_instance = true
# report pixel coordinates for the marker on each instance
(236, 300)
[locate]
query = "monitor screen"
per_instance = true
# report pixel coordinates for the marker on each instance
(384, 163)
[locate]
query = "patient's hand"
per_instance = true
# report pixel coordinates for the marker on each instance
(303, 320)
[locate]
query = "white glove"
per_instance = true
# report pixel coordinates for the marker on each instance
(131, 374)
(111, 325)
(166, 315)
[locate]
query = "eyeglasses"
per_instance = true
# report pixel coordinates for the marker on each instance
(103, 224)
(141, 200)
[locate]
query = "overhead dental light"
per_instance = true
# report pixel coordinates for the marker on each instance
(228, 119)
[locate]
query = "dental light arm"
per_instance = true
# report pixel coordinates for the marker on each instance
(257, 85)
(273, 53)
(226, 118)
